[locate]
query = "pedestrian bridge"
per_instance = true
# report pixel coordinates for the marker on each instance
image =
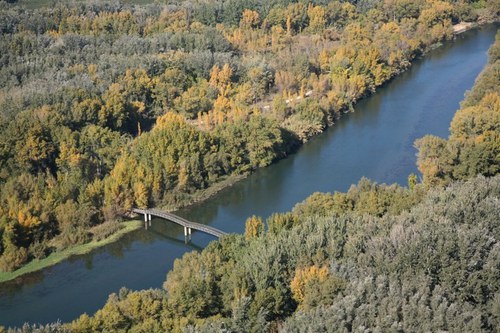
(188, 225)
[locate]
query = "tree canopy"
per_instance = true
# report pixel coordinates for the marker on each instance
(105, 106)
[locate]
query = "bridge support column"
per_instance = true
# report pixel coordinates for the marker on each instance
(187, 234)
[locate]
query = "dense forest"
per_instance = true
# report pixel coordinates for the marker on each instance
(377, 258)
(106, 106)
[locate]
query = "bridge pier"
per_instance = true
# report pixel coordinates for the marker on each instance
(187, 234)
(188, 225)
(147, 218)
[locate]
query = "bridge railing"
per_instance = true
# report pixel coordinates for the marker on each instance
(188, 225)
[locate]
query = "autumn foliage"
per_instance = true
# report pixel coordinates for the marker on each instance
(106, 106)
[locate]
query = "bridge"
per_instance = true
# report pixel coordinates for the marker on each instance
(188, 225)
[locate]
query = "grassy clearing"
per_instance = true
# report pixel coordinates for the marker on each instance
(57, 257)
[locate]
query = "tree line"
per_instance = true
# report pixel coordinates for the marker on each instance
(106, 106)
(473, 146)
(377, 257)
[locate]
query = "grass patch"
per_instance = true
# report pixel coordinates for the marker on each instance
(59, 256)
(128, 226)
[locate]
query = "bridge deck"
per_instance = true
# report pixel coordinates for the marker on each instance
(181, 221)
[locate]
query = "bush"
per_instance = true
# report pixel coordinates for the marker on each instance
(76, 236)
(39, 250)
(104, 230)
(13, 258)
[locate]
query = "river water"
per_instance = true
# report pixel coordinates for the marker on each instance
(376, 141)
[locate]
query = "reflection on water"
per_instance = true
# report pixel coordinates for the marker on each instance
(11, 288)
(375, 141)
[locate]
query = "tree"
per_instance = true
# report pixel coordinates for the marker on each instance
(141, 195)
(431, 159)
(197, 99)
(253, 227)
(37, 152)
(249, 19)
(305, 276)
(317, 18)
(412, 181)
(113, 113)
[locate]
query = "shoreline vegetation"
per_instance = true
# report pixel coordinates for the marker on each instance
(126, 227)
(130, 226)
(373, 257)
(207, 193)
(106, 107)
(463, 27)
(59, 256)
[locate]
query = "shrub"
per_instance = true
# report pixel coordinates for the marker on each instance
(13, 258)
(104, 230)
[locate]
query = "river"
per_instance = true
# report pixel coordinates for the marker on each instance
(376, 141)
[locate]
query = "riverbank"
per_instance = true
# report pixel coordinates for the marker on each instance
(128, 226)
(189, 200)
(56, 257)
(375, 142)
(205, 194)
(463, 27)
(284, 244)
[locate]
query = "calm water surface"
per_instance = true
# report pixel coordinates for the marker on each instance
(375, 141)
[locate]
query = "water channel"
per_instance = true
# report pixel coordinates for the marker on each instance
(376, 141)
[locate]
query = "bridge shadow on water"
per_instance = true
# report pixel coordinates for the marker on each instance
(375, 141)
(167, 230)
(159, 229)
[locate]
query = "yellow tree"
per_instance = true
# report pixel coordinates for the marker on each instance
(317, 18)
(141, 195)
(305, 276)
(113, 113)
(254, 227)
(436, 12)
(431, 159)
(220, 78)
(250, 19)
